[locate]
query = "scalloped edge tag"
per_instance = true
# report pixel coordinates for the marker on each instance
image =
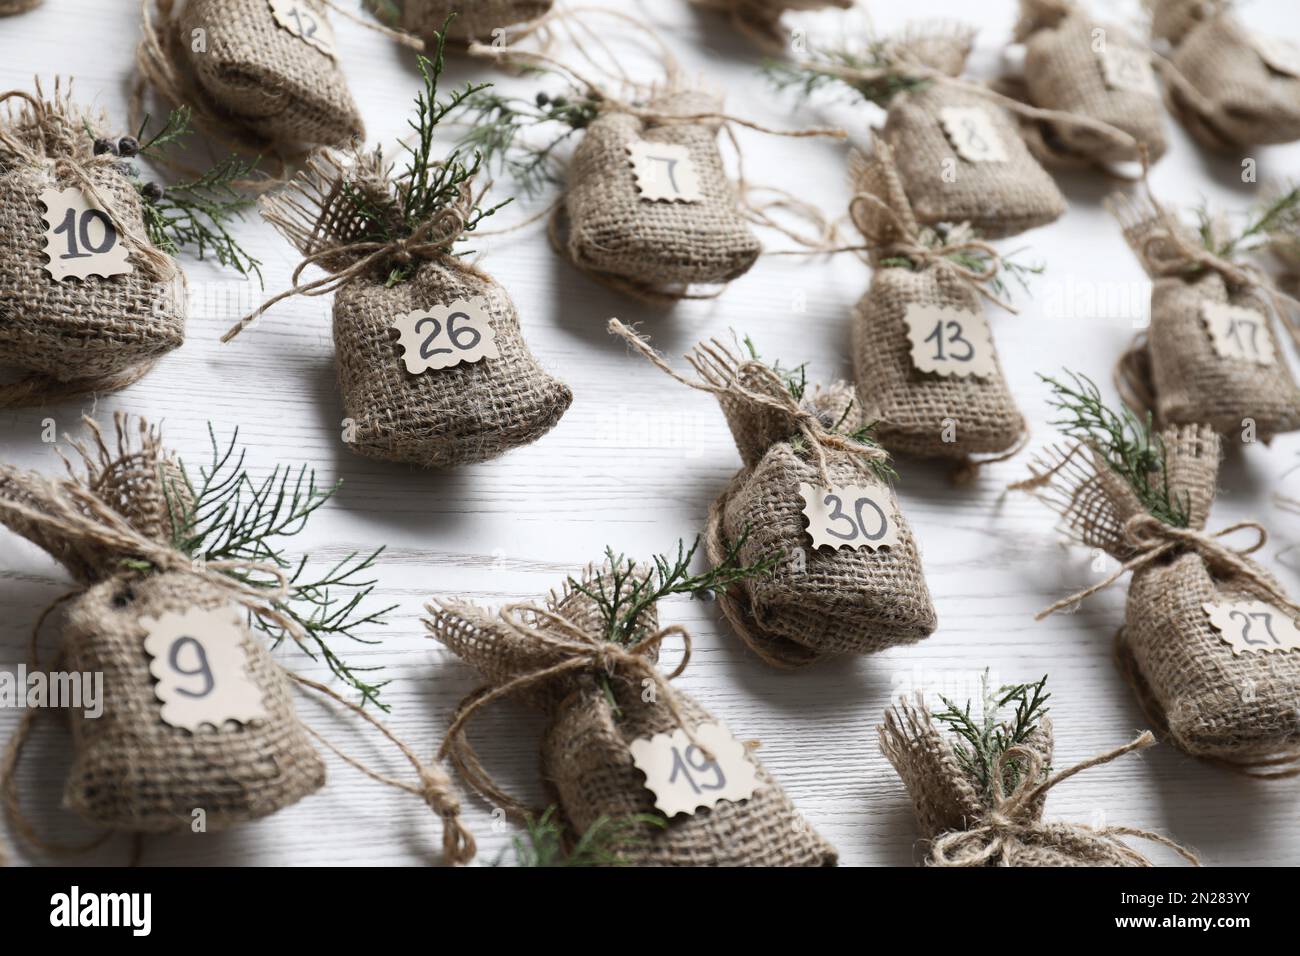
(474, 315)
(665, 172)
(1281, 55)
(111, 262)
(972, 133)
(1223, 321)
(832, 526)
(683, 780)
(972, 332)
(289, 14)
(1253, 627)
(220, 690)
(1128, 69)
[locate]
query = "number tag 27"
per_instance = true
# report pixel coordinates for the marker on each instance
(1253, 627)
(444, 336)
(684, 779)
(850, 516)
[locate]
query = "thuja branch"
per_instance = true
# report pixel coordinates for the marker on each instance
(837, 68)
(982, 742)
(1127, 443)
(603, 844)
(975, 260)
(1280, 216)
(224, 515)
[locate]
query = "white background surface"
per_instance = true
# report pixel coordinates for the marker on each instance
(636, 462)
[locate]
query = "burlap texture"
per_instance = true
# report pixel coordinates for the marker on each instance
(261, 77)
(475, 19)
(587, 763)
(816, 601)
(1063, 72)
(761, 19)
(1224, 92)
(997, 199)
(9, 7)
(660, 248)
(77, 330)
(454, 416)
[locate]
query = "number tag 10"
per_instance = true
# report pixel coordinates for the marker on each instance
(446, 335)
(683, 779)
(1238, 332)
(948, 341)
(850, 516)
(201, 667)
(80, 238)
(1253, 627)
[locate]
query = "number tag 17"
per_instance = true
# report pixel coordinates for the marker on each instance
(850, 516)
(684, 778)
(200, 663)
(1237, 332)
(444, 336)
(1253, 627)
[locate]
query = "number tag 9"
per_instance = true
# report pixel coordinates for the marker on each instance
(850, 516)
(972, 133)
(664, 171)
(1253, 627)
(80, 238)
(1238, 332)
(200, 664)
(306, 23)
(947, 341)
(444, 336)
(684, 779)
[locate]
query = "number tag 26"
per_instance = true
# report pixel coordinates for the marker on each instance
(444, 336)
(850, 516)
(684, 779)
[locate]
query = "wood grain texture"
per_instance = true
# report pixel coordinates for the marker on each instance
(636, 462)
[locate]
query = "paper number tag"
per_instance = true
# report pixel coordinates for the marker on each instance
(80, 238)
(201, 665)
(446, 336)
(850, 516)
(664, 171)
(973, 135)
(1253, 627)
(1238, 332)
(683, 779)
(1280, 55)
(1127, 69)
(305, 23)
(949, 341)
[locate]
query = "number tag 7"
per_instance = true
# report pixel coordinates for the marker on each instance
(444, 336)
(80, 238)
(664, 171)
(850, 516)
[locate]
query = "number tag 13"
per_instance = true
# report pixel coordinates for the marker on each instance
(444, 336)
(684, 779)
(200, 664)
(1253, 627)
(850, 516)
(950, 342)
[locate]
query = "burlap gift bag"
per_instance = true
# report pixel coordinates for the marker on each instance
(921, 412)
(10, 7)
(440, 417)
(760, 20)
(652, 247)
(1187, 368)
(966, 823)
(1234, 704)
(119, 527)
(263, 76)
(472, 20)
(559, 657)
(818, 600)
(1076, 64)
(76, 335)
(1229, 88)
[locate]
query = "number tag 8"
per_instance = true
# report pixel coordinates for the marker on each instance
(444, 336)
(850, 516)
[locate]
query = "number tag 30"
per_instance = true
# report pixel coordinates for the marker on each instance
(948, 341)
(1253, 627)
(684, 779)
(200, 664)
(664, 171)
(446, 335)
(80, 238)
(850, 516)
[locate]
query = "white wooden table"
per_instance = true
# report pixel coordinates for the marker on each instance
(635, 463)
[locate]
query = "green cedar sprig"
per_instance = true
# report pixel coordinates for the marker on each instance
(982, 742)
(603, 844)
(827, 68)
(1279, 217)
(973, 259)
(225, 515)
(1129, 444)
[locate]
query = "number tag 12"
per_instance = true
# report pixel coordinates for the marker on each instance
(200, 664)
(1253, 627)
(444, 336)
(850, 516)
(307, 24)
(684, 779)
(949, 341)
(1238, 332)
(80, 238)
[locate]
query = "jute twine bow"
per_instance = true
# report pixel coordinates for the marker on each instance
(721, 374)
(1152, 540)
(1010, 825)
(579, 651)
(156, 264)
(431, 239)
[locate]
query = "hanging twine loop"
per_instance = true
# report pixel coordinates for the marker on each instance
(1011, 822)
(722, 374)
(578, 651)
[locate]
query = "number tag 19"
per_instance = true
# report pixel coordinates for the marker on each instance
(850, 516)
(80, 238)
(949, 341)
(446, 335)
(201, 667)
(1253, 627)
(684, 779)
(664, 172)
(1238, 332)
(306, 23)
